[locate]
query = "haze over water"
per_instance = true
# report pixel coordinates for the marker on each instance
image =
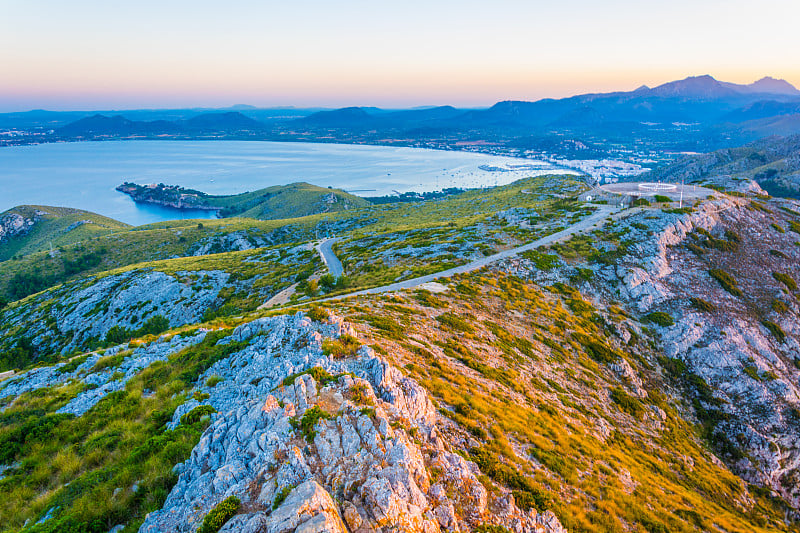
(84, 175)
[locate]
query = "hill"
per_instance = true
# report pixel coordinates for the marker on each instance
(773, 162)
(587, 369)
(231, 122)
(280, 201)
(29, 228)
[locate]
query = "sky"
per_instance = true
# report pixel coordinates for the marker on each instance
(87, 54)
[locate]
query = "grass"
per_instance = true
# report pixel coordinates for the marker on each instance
(572, 472)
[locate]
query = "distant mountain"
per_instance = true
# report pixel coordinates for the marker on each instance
(766, 85)
(348, 117)
(119, 126)
(698, 113)
(225, 122)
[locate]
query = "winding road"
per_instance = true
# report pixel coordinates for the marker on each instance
(325, 249)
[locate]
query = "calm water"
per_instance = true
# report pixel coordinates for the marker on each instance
(84, 175)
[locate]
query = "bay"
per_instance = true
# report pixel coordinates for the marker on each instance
(84, 175)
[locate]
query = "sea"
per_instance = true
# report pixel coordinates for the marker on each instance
(84, 174)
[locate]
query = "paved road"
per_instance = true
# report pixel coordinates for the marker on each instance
(325, 249)
(598, 216)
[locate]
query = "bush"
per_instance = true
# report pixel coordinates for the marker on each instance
(627, 403)
(597, 349)
(213, 381)
(455, 322)
(281, 496)
(194, 416)
(786, 279)
(320, 375)
(220, 514)
(358, 393)
(526, 494)
(344, 346)
(541, 260)
(702, 305)
(317, 313)
(660, 198)
(640, 202)
(309, 420)
(660, 318)
(727, 281)
(779, 306)
(775, 329)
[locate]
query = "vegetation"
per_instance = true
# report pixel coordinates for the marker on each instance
(727, 281)
(702, 305)
(660, 318)
(786, 279)
(308, 421)
(220, 514)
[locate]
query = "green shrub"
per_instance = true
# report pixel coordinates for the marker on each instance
(213, 381)
(194, 416)
(358, 393)
(281, 496)
(775, 329)
(386, 324)
(640, 202)
(786, 279)
(220, 514)
(752, 371)
(309, 420)
(727, 281)
(319, 374)
(526, 494)
(702, 305)
(108, 361)
(627, 403)
(487, 528)
(542, 261)
(597, 349)
(455, 322)
(660, 198)
(344, 346)
(779, 306)
(660, 318)
(317, 313)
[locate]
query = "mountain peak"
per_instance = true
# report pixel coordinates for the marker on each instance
(704, 86)
(768, 84)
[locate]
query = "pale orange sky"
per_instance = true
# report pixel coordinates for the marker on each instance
(100, 55)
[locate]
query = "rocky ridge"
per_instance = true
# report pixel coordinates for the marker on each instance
(753, 375)
(376, 456)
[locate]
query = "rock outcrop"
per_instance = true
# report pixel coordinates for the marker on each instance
(352, 445)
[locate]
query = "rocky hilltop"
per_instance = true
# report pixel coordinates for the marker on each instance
(578, 368)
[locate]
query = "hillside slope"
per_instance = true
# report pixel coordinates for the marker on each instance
(33, 228)
(638, 376)
(279, 201)
(772, 162)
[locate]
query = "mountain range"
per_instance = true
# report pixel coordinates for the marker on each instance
(694, 114)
